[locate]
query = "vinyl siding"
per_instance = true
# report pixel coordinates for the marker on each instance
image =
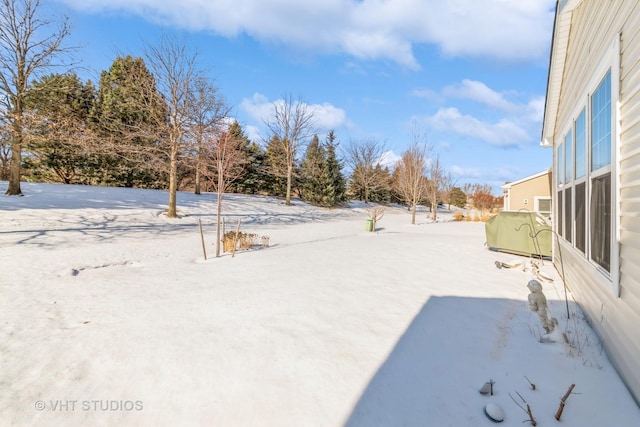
(595, 24)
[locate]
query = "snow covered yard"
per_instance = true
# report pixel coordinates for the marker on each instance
(109, 315)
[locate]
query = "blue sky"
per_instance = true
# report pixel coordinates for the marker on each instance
(468, 75)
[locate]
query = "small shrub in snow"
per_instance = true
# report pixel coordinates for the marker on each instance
(241, 240)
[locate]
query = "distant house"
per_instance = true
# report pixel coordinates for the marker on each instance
(592, 123)
(532, 193)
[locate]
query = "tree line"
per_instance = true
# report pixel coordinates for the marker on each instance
(160, 122)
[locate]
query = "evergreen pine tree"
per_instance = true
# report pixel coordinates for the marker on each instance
(60, 141)
(276, 184)
(381, 192)
(124, 113)
(253, 180)
(313, 170)
(333, 182)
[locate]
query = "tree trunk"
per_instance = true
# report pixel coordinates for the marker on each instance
(16, 160)
(218, 221)
(197, 190)
(173, 172)
(413, 213)
(289, 173)
(219, 209)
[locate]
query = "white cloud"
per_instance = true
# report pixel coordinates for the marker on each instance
(325, 116)
(535, 109)
(389, 159)
(481, 93)
(365, 29)
(504, 133)
(253, 133)
(258, 107)
(425, 93)
(462, 172)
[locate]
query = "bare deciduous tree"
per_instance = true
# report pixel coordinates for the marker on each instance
(228, 160)
(292, 124)
(175, 71)
(435, 174)
(448, 184)
(375, 214)
(364, 159)
(26, 47)
(411, 182)
(480, 196)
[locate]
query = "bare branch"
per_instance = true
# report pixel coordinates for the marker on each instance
(293, 124)
(364, 158)
(175, 70)
(411, 183)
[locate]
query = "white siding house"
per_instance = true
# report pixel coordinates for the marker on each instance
(592, 123)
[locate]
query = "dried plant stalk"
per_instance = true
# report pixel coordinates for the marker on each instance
(563, 401)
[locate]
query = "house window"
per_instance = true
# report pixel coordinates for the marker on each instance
(542, 205)
(601, 174)
(581, 146)
(601, 125)
(580, 194)
(568, 181)
(560, 166)
(585, 166)
(568, 215)
(601, 221)
(560, 184)
(559, 218)
(568, 157)
(580, 237)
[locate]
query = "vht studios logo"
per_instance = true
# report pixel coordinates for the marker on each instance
(89, 405)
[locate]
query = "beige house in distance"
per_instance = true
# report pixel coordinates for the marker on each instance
(532, 194)
(592, 124)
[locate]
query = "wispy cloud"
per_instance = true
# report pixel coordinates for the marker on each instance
(364, 29)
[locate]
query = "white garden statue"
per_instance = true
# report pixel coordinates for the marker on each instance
(538, 304)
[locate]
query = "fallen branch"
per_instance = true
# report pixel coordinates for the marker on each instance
(563, 401)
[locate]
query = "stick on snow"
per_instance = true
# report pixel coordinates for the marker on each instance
(204, 248)
(533, 386)
(562, 402)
